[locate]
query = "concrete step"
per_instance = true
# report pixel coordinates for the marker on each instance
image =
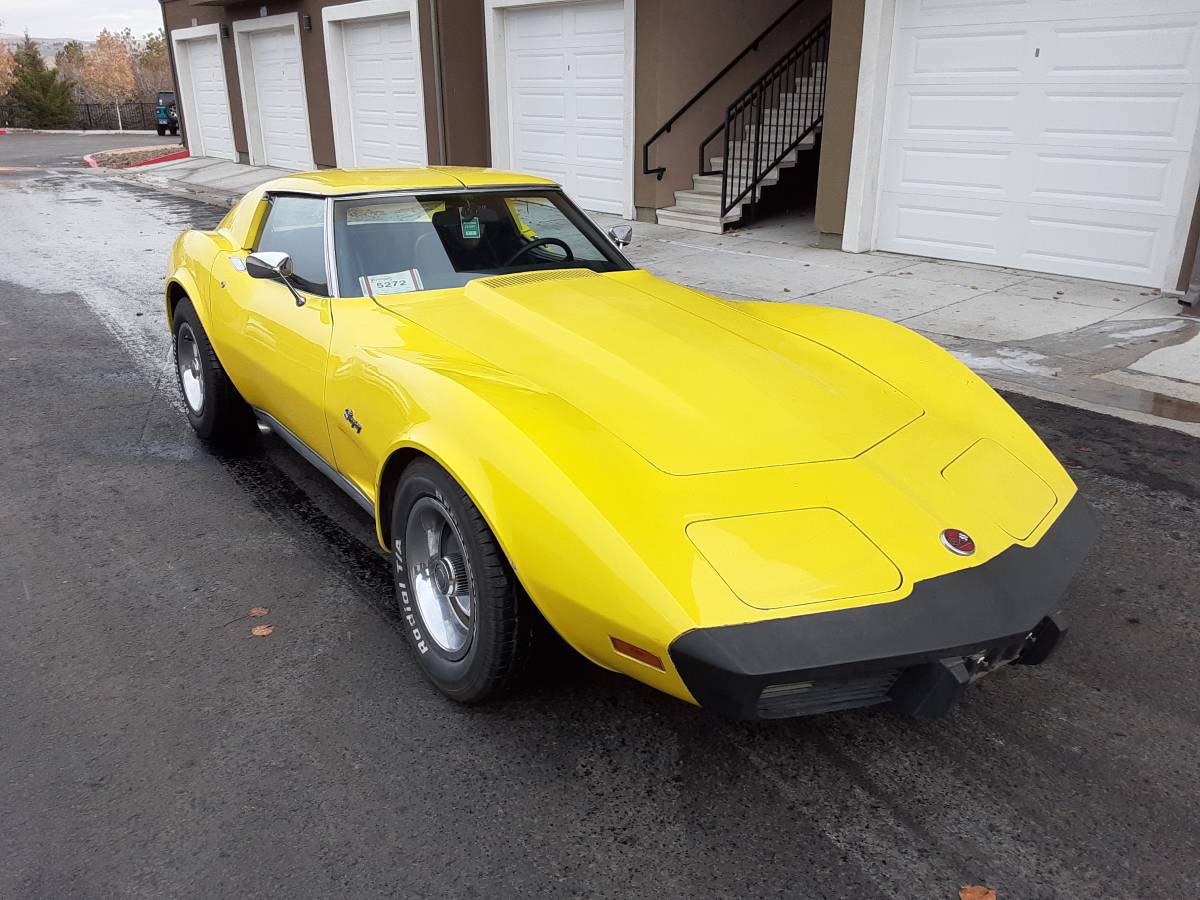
(711, 184)
(718, 163)
(779, 134)
(693, 221)
(795, 115)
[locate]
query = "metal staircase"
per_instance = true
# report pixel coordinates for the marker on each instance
(764, 131)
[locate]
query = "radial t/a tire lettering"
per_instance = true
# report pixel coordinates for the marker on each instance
(465, 615)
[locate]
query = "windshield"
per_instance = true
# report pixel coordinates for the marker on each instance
(397, 244)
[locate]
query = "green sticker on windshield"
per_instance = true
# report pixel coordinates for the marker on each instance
(470, 227)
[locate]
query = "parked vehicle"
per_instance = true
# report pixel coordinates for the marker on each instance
(767, 509)
(168, 113)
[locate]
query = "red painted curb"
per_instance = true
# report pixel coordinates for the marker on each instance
(170, 157)
(3, 131)
(90, 163)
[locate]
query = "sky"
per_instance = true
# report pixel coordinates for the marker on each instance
(79, 19)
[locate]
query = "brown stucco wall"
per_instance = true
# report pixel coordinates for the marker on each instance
(680, 45)
(464, 77)
(841, 92)
(463, 70)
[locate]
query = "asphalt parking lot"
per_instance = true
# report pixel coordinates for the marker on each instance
(150, 747)
(22, 148)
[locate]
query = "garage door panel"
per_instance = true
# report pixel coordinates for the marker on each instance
(1123, 249)
(599, 110)
(1148, 49)
(548, 105)
(383, 85)
(947, 170)
(1041, 135)
(211, 131)
(950, 55)
(926, 225)
(955, 113)
(1140, 181)
(976, 12)
(565, 66)
(278, 87)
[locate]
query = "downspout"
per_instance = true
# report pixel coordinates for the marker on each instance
(438, 86)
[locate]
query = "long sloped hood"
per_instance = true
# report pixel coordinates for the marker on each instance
(688, 383)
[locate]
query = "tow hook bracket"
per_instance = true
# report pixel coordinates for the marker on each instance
(1043, 640)
(930, 690)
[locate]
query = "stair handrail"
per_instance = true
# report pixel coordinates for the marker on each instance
(817, 41)
(659, 171)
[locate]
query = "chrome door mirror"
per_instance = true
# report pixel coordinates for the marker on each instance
(621, 235)
(276, 265)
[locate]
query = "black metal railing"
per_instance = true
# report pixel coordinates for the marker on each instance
(769, 120)
(136, 115)
(665, 128)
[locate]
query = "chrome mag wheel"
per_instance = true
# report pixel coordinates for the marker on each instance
(191, 372)
(441, 582)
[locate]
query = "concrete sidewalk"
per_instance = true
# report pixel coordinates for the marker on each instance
(1114, 348)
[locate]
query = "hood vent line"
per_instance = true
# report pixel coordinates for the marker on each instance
(508, 281)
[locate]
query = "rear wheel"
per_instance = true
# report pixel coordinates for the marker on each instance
(174, 129)
(466, 617)
(214, 408)
(161, 129)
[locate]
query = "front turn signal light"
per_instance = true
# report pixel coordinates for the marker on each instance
(643, 656)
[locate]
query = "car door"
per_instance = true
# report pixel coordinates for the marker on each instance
(276, 350)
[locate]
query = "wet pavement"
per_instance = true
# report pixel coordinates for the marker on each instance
(150, 747)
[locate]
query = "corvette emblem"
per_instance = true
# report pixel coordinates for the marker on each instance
(958, 542)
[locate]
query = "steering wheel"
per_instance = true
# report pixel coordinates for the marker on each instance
(540, 242)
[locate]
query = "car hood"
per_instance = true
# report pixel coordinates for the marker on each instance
(687, 381)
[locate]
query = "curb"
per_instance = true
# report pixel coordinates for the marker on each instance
(91, 163)
(169, 157)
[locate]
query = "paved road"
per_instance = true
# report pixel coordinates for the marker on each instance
(40, 149)
(149, 747)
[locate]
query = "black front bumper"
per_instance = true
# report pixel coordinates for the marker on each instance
(919, 652)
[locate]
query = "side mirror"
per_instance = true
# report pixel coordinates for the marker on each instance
(621, 235)
(276, 265)
(269, 264)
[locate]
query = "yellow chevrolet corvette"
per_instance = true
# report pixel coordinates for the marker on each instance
(767, 509)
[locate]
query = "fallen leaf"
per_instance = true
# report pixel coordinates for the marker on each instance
(258, 612)
(264, 630)
(976, 892)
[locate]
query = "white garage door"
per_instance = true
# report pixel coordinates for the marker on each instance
(383, 89)
(1052, 135)
(279, 93)
(565, 65)
(209, 129)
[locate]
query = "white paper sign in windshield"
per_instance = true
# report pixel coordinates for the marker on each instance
(392, 283)
(406, 209)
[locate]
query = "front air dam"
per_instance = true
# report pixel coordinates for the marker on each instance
(867, 651)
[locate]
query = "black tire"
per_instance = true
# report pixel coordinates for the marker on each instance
(161, 129)
(175, 129)
(221, 417)
(501, 625)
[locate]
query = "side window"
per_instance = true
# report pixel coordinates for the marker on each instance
(296, 225)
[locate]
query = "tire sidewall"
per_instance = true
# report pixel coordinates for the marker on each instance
(457, 678)
(205, 423)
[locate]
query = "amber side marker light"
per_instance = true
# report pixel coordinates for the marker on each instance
(643, 656)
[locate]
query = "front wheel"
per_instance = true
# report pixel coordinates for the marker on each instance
(215, 409)
(466, 617)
